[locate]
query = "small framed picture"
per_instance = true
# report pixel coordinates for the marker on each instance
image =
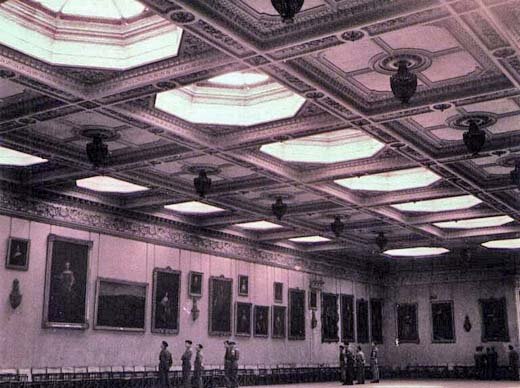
(17, 254)
(313, 300)
(243, 285)
(278, 292)
(195, 283)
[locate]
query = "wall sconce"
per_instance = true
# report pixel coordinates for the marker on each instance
(195, 312)
(15, 298)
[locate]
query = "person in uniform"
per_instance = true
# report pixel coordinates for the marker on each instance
(479, 363)
(374, 364)
(513, 363)
(165, 363)
(231, 364)
(198, 367)
(493, 363)
(349, 365)
(342, 363)
(186, 365)
(360, 366)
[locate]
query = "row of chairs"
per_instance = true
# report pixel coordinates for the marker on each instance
(466, 372)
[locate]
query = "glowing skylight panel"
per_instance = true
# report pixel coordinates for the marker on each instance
(9, 157)
(416, 252)
(239, 78)
(106, 184)
(103, 9)
(483, 222)
(194, 207)
(392, 180)
(512, 243)
(259, 225)
(439, 205)
(309, 239)
(332, 147)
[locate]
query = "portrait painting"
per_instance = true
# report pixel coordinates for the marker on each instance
(66, 282)
(261, 321)
(278, 322)
(120, 305)
(296, 314)
(278, 292)
(165, 300)
(195, 284)
(407, 325)
(376, 320)
(243, 285)
(17, 254)
(347, 318)
(443, 329)
(220, 306)
(243, 319)
(494, 320)
(362, 321)
(329, 318)
(313, 300)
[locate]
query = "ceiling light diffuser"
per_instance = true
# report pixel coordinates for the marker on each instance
(9, 157)
(193, 207)
(512, 243)
(104, 9)
(238, 78)
(106, 184)
(309, 239)
(439, 205)
(259, 225)
(483, 222)
(416, 252)
(392, 180)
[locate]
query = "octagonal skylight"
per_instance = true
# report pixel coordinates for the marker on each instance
(309, 239)
(511, 243)
(9, 157)
(416, 252)
(330, 147)
(107, 34)
(259, 225)
(106, 184)
(439, 205)
(252, 100)
(194, 207)
(472, 223)
(392, 180)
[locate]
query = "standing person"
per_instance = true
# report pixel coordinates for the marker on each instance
(198, 367)
(349, 365)
(186, 365)
(233, 356)
(165, 363)
(513, 363)
(374, 363)
(479, 363)
(487, 363)
(493, 362)
(342, 363)
(360, 366)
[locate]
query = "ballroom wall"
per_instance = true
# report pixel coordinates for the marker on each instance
(25, 343)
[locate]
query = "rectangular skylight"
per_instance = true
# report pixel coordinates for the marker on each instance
(512, 243)
(483, 222)
(259, 225)
(9, 157)
(193, 207)
(106, 184)
(439, 205)
(309, 239)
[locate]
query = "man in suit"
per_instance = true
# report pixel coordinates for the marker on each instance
(231, 364)
(186, 365)
(165, 363)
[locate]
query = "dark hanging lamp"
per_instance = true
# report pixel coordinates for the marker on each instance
(515, 174)
(403, 83)
(279, 208)
(337, 226)
(287, 9)
(97, 151)
(474, 138)
(381, 241)
(202, 183)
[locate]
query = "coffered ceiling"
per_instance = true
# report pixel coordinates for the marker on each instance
(302, 111)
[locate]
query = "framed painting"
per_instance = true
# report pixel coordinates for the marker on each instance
(220, 306)
(296, 314)
(243, 285)
(17, 254)
(494, 320)
(407, 325)
(347, 318)
(313, 300)
(195, 284)
(362, 321)
(66, 283)
(329, 318)
(243, 319)
(443, 329)
(261, 321)
(278, 318)
(376, 320)
(120, 305)
(278, 292)
(165, 301)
